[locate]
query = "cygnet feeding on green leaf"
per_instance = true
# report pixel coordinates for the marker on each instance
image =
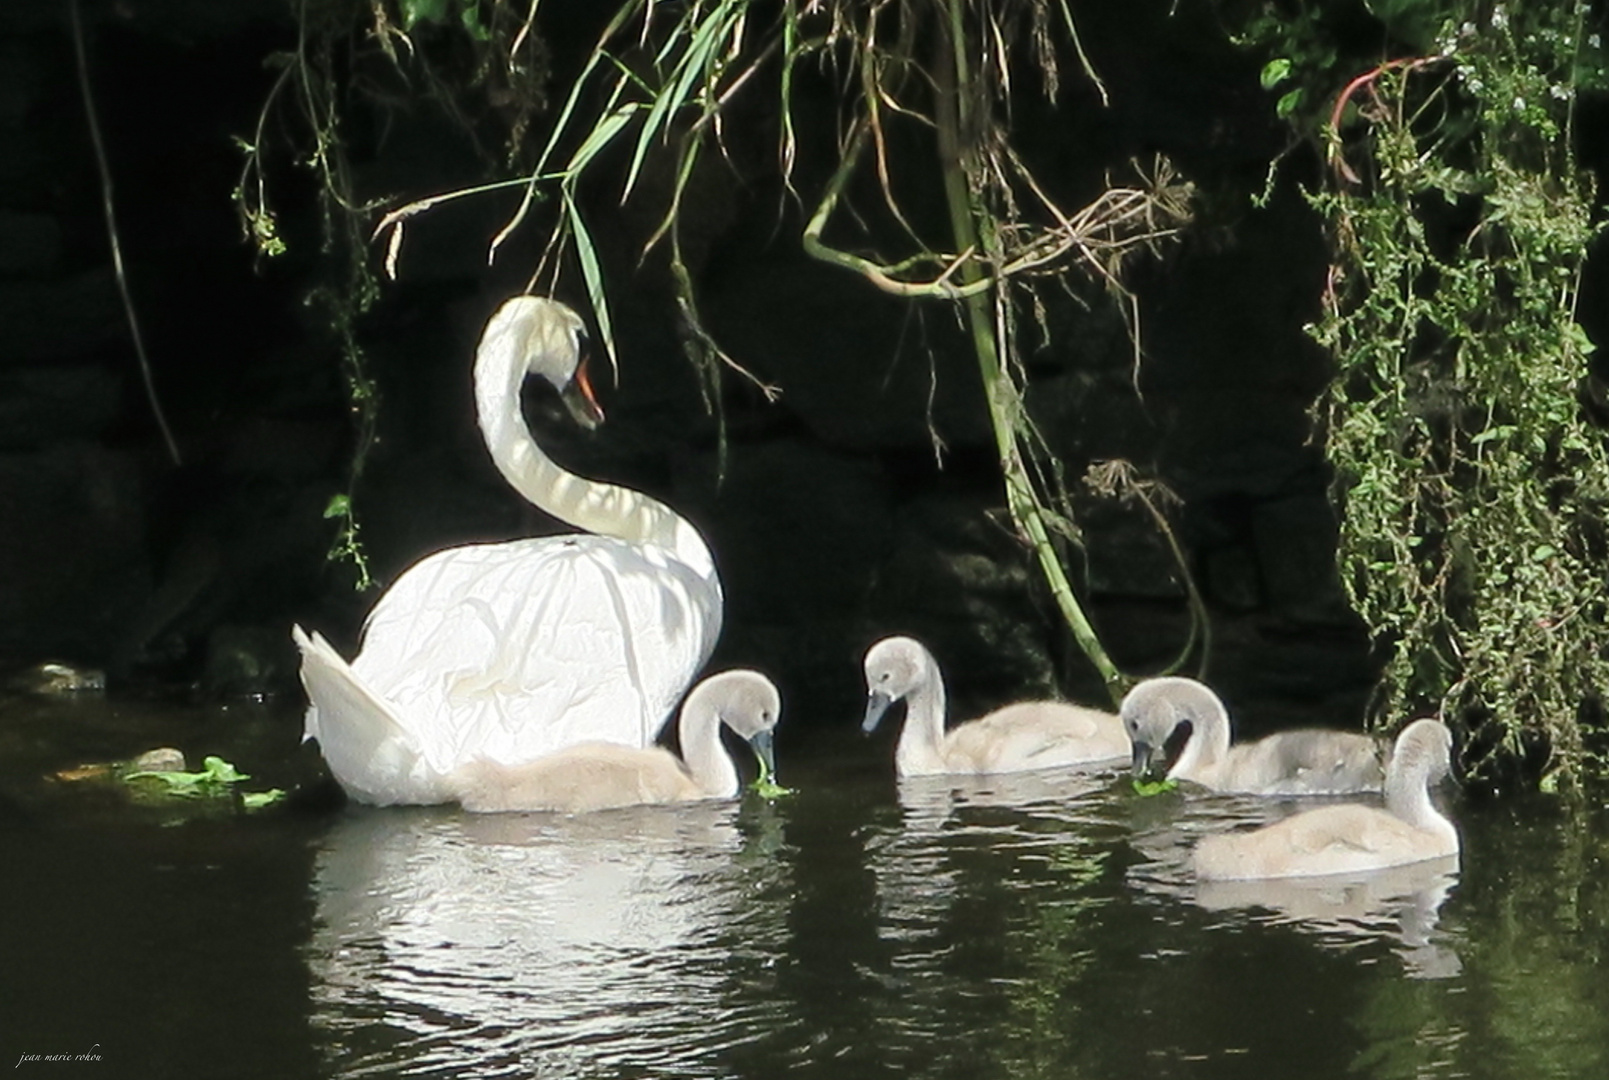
(601, 775)
(1170, 713)
(1014, 738)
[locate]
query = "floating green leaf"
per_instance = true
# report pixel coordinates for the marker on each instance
(216, 778)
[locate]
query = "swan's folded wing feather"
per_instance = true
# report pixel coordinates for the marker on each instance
(1304, 762)
(577, 779)
(512, 651)
(1329, 840)
(359, 733)
(1036, 735)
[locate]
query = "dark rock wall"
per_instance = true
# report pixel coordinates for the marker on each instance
(834, 514)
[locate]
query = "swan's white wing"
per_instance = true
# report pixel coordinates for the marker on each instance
(511, 651)
(365, 742)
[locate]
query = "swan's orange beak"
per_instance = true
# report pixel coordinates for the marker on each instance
(581, 401)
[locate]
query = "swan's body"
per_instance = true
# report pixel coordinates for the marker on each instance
(1305, 762)
(1350, 839)
(601, 776)
(1015, 738)
(505, 653)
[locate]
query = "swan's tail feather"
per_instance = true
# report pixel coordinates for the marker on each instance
(365, 742)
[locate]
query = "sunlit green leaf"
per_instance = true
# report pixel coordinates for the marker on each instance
(1275, 72)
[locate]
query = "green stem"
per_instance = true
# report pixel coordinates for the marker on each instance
(968, 219)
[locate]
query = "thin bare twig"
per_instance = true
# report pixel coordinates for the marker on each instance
(107, 205)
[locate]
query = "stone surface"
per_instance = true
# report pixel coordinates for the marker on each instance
(73, 558)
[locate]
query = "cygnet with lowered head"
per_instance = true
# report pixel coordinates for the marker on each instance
(1309, 761)
(1016, 738)
(602, 775)
(1352, 838)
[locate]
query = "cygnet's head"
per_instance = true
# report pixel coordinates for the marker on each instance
(1424, 748)
(748, 703)
(894, 667)
(550, 338)
(1160, 716)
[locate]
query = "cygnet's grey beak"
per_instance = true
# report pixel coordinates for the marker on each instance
(764, 746)
(1142, 760)
(877, 704)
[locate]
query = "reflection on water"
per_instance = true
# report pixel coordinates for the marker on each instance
(537, 942)
(1401, 903)
(1040, 925)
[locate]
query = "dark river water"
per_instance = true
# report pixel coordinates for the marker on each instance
(1042, 925)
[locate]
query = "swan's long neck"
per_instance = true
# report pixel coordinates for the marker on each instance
(1208, 746)
(606, 509)
(921, 740)
(699, 730)
(1407, 792)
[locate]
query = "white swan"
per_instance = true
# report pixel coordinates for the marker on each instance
(1351, 838)
(601, 776)
(1014, 738)
(1304, 762)
(508, 652)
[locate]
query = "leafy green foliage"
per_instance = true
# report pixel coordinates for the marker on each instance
(1472, 490)
(217, 778)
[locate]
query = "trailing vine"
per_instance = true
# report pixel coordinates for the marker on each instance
(476, 60)
(1470, 486)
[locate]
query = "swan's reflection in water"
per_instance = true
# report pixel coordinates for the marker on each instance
(1399, 906)
(513, 944)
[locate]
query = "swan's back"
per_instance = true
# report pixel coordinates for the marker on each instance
(575, 780)
(1329, 840)
(1307, 762)
(497, 649)
(1034, 735)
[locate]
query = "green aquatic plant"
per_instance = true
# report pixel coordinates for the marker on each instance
(216, 779)
(1470, 485)
(1148, 788)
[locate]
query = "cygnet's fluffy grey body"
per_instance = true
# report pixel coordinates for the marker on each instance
(1352, 838)
(1305, 762)
(601, 775)
(1015, 738)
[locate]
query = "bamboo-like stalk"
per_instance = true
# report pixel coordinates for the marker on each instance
(967, 214)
